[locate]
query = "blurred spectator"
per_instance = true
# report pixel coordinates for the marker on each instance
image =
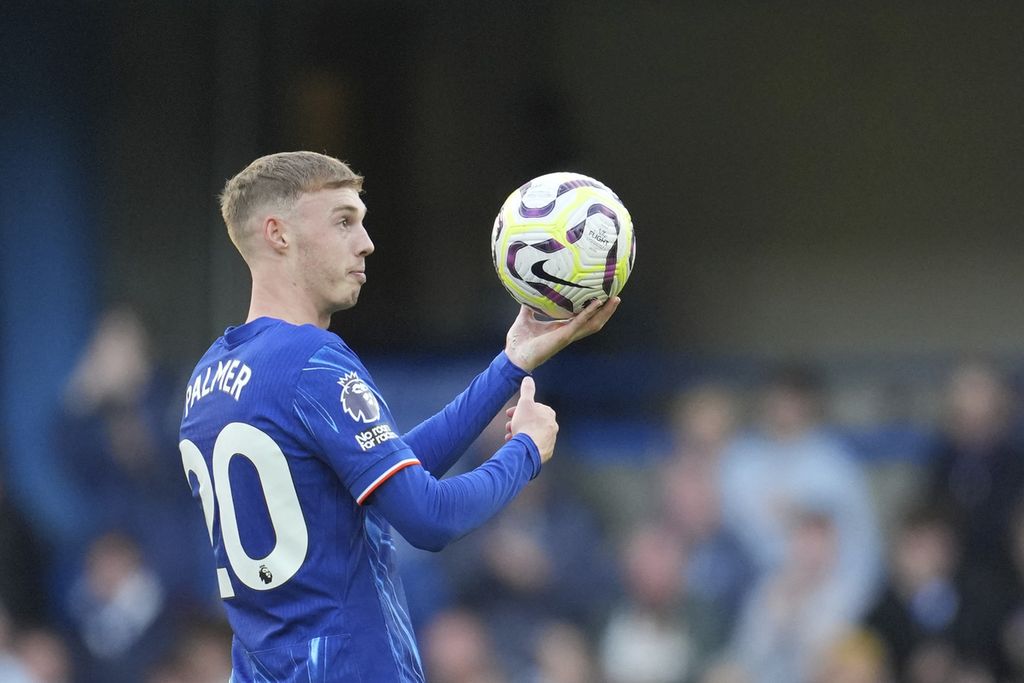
(457, 649)
(791, 463)
(703, 421)
(562, 655)
(935, 617)
(977, 471)
(22, 580)
(922, 603)
(119, 613)
(542, 558)
(119, 436)
(44, 656)
(658, 633)
(855, 657)
(717, 569)
(799, 608)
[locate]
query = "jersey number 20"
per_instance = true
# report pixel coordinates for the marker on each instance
(284, 559)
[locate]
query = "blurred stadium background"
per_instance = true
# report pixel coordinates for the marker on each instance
(828, 203)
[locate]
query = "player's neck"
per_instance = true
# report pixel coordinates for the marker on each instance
(286, 304)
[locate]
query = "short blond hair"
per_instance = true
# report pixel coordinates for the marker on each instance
(280, 179)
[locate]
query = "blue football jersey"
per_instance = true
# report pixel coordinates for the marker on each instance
(284, 435)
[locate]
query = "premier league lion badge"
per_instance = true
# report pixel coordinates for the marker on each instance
(357, 400)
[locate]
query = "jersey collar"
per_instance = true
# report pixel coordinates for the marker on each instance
(236, 334)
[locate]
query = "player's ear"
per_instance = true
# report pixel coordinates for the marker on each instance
(275, 233)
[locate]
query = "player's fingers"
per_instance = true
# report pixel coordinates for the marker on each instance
(508, 437)
(606, 312)
(527, 389)
(589, 311)
(509, 412)
(578, 325)
(594, 317)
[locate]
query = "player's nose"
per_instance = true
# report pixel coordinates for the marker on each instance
(365, 245)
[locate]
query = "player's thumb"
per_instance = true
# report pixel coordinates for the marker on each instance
(527, 389)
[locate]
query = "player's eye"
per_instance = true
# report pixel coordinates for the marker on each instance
(343, 222)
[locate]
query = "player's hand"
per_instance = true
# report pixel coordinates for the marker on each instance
(530, 342)
(533, 419)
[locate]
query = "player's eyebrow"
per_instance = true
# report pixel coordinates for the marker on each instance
(351, 208)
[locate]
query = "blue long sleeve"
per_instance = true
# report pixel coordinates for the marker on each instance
(440, 441)
(430, 514)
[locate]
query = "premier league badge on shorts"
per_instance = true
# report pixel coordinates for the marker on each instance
(357, 400)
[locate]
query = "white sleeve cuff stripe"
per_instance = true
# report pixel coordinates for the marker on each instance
(401, 464)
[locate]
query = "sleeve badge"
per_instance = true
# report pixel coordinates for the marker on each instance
(357, 400)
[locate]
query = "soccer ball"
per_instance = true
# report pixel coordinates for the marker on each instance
(562, 240)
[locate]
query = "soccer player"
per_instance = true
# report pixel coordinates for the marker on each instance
(293, 454)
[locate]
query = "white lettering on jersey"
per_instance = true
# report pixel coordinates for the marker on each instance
(231, 376)
(375, 436)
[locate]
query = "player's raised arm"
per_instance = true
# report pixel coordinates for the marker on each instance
(431, 513)
(441, 440)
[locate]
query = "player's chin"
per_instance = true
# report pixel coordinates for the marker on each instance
(347, 300)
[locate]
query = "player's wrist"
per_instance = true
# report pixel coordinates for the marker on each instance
(532, 452)
(508, 368)
(522, 360)
(527, 358)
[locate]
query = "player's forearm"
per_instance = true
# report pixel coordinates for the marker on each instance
(430, 514)
(439, 441)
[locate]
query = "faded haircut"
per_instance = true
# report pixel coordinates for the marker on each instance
(279, 179)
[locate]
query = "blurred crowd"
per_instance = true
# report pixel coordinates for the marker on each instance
(762, 547)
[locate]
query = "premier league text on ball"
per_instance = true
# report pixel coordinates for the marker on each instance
(560, 241)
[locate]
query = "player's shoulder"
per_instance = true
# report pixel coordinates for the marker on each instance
(333, 355)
